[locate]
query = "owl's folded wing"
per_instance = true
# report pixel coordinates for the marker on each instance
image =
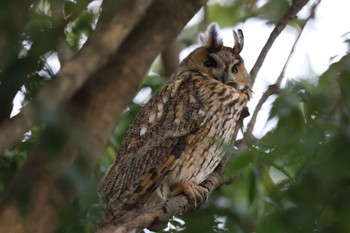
(153, 143)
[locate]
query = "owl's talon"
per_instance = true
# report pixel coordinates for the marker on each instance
(195, 192)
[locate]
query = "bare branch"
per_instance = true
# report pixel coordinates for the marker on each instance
(296, 6)
(302, 27)
(273, 89)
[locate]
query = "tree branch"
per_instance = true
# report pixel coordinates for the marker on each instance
(296, 6)
(94, 54)
(273, 89)
(170, 57)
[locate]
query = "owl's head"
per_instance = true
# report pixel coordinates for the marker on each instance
(218, 61)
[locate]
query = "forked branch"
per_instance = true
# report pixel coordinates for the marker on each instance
(296, 6)
(274, 88)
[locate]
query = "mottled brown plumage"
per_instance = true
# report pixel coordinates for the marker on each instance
(175, 141)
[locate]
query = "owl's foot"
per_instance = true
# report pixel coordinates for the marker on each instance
(198, 194)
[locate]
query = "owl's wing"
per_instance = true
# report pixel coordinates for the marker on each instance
(154, 142)
(173, 112)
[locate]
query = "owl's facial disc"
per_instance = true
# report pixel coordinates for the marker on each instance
(223, 70)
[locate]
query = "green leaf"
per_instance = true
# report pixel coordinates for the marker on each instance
(239, 162)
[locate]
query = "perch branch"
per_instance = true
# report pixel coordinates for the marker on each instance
(274, 88)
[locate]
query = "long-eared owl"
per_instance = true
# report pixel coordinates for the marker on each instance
(175, 141)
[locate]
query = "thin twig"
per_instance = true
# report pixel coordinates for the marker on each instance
(274, 88)
(296, 6)
(302, 27)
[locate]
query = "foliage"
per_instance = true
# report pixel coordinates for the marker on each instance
(294, 179)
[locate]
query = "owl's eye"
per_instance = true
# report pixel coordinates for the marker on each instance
(210, 62)
(234, 69)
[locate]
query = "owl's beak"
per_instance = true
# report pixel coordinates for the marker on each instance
(224, 77)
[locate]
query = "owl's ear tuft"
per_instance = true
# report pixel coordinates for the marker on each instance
(239, 41)
(210, 38)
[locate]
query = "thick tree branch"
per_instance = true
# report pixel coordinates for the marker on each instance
(170, 57)
(296, 6)
(95, 53)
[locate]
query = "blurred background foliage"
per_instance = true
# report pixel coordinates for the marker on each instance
(296, 178)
